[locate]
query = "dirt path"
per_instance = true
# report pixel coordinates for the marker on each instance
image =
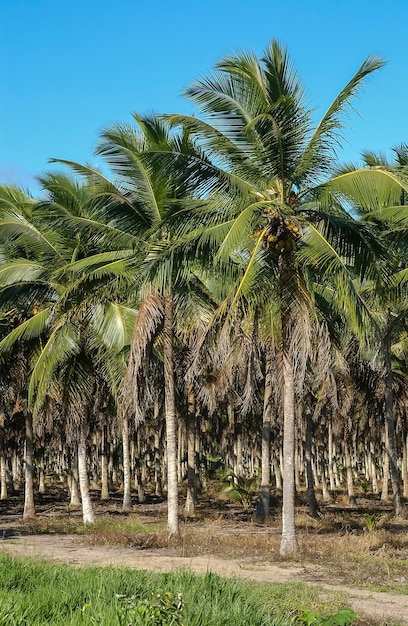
(73, 550)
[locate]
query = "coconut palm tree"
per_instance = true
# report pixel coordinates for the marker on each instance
(274, 213)
(73, 323)
(135, 222)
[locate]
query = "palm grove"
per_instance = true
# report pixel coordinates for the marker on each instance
(228, 291)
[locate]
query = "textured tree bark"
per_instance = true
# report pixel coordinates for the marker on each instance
(277, 464)
(41, 483)
(112, 469)
(288, 540)
(262, 511)
(386, 469)
(3, 465)
(104, 465)
(331, 458)
(171, 424)
(127, 478)
(16, 470)
(391, 450)
(337, 478)
(197, 448)
(74, 481)
(157, 461)
(298, 463)
(29, 506)
(180, 450)
(373, 468)
(138, 469)
(87, 509)
(311, 495)
(239, 467)
(405, 468)
(349, 472)
(325, 488)
(191, 471)
(3, 477)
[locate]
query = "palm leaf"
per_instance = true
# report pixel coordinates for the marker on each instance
(368, 189)
(63, 343)
(318, 155)
(114, 324)
(29, 329)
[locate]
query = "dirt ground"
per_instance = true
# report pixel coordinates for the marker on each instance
(22, 540)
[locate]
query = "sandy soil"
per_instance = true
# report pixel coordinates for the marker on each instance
(72, 549)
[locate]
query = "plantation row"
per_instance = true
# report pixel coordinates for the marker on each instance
(336, 463)
(228, 294)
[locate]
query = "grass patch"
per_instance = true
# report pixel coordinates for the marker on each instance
(379, 573)
(376, 560)
(128, 531)
(38, 593)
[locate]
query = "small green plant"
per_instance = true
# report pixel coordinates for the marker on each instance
(364, 484)
(343, 617)
(242, 490)
(163, 608)
(371, 521)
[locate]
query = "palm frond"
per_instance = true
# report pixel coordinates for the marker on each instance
(21, 270)
(114, 324)
(318, 155)
(29, 329)
(369, 189)
(317, 252)
(149, 318)
(63, 343)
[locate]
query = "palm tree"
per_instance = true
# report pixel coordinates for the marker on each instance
(134, 227)
(386, 298)
(271, 213)
(82, 333)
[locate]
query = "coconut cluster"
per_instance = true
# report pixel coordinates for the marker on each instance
(280, 234)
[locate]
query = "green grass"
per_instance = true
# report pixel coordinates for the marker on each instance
(39, 593)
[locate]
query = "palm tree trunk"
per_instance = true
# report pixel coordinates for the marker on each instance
(262, 511)
(404, 467)
(288, 540)
(180, 451)
(3, 476)
(386, 468)
(298, 463)
(389, 413)
(104, 465)
(157, 457)
(29, 506)
(137, 448)
(75, 500)
(191, 471)
(197, 448)
(87, 509)
(331, 458)
(127, 478)
(16, 469)
(171, 424)
(349, 472)
(311, 495)
(239, 466)
(325, 488)
(277, 465)
(41, 479)
(3, 464)
(373, 468)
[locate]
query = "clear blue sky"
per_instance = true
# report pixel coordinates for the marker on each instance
(70, 68)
